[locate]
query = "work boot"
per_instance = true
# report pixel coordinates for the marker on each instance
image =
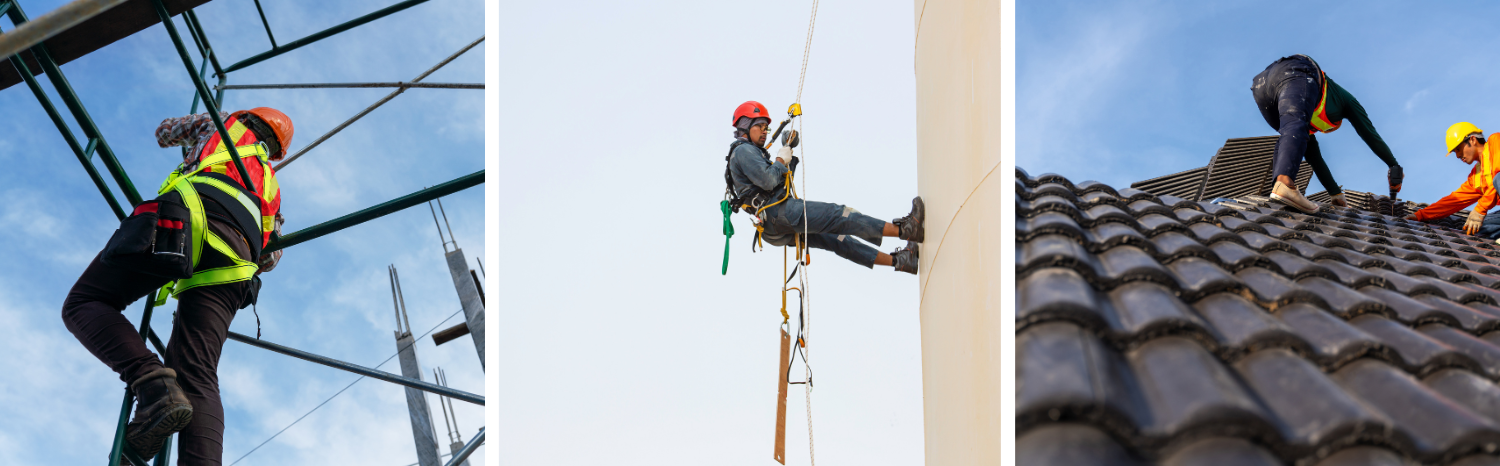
(161, 410)
(1289, 196)
(905, 259)
(910, 227)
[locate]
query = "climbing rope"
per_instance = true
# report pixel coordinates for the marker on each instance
(803, 258)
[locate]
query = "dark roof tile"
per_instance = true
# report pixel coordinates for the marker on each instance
(1190, 392)
(1365, 456)
(1430, 427)
(1221, 451)
(1420, 354)
(1155, 329)
(1056, 444)
(1066, 374)
(1320, 413)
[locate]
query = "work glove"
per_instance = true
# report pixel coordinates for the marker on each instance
(1338, 200)
(1412, 217)
(1476, 219)
(790, 138)
(784, 156)
(1395, 176)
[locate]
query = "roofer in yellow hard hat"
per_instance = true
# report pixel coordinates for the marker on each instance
(1467, 142)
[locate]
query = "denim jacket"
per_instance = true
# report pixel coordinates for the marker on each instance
(750, 166)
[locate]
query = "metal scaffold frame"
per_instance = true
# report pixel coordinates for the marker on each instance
(30, 36)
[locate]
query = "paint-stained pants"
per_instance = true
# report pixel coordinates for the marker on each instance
(1287, 92)
(830, 227)
(92, 312)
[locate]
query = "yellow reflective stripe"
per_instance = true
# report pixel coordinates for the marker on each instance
(245, 201)
(1320, 115)
(241, 270)
(236, 131)
(222, 154)
(198, 221)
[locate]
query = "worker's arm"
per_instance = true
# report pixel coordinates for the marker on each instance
(763, 173)
(1464, 196)
(185, 131)
(1341, 104)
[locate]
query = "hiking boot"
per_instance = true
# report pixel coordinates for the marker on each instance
(1289, 196)
(910, 226)
(905, 259)
(161, 410)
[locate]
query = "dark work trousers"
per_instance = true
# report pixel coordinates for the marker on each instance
(92, 312)
(831, 227)
(1287, 92)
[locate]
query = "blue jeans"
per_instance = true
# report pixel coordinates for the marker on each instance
(830, 227)
(1287, 92)
(1490, 229)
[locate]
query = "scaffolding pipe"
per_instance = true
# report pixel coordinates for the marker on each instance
(361, 370)
(400, 84)
(50, 24)
(321, 229)
(62, 126)
(324, 34)
(372, 107)
(213, 108)
(458, 458)
(266, 23)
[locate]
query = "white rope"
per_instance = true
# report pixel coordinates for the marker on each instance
(806, 49)
(805, 295)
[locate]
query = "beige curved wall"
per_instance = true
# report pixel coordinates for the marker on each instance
(958, 71)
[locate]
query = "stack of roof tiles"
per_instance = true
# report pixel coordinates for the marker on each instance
(1157, 330)
(1242, 167)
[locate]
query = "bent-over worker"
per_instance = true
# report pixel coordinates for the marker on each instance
(1298, 99)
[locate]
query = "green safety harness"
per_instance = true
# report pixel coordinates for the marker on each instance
(184, 184)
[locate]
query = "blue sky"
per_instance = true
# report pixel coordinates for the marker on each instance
(1121, 92)
(626, 344)
(329, 296)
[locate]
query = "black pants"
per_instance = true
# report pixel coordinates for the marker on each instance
(92, 312)
(1287, 93)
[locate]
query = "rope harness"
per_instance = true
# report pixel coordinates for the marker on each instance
(745, 201)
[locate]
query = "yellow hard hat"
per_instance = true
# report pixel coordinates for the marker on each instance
(1458, 132)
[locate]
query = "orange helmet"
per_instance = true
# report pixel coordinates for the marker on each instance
(279, 123)
(752, 110)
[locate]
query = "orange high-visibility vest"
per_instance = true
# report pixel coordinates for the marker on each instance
(1320, 115)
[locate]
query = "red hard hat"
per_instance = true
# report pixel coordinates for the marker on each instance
(279, 123)
(752, 110)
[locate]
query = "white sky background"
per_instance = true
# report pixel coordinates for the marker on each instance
(1122, 92)
(329, 296)
(621, 342)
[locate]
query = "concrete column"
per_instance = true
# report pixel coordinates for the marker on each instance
(958, 88)
(416, 401)
(453, 449)
(468, 295)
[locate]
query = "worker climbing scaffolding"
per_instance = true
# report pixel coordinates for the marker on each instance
(194, 242)
(759, 185)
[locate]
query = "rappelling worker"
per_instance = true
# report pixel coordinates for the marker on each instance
(199, 241)
(1467, 142)
(757, 184)
(1298, 99)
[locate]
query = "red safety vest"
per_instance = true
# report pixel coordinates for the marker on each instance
(260, 170)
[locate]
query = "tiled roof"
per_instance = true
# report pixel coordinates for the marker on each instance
(1158, 330)
(1241, 168)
